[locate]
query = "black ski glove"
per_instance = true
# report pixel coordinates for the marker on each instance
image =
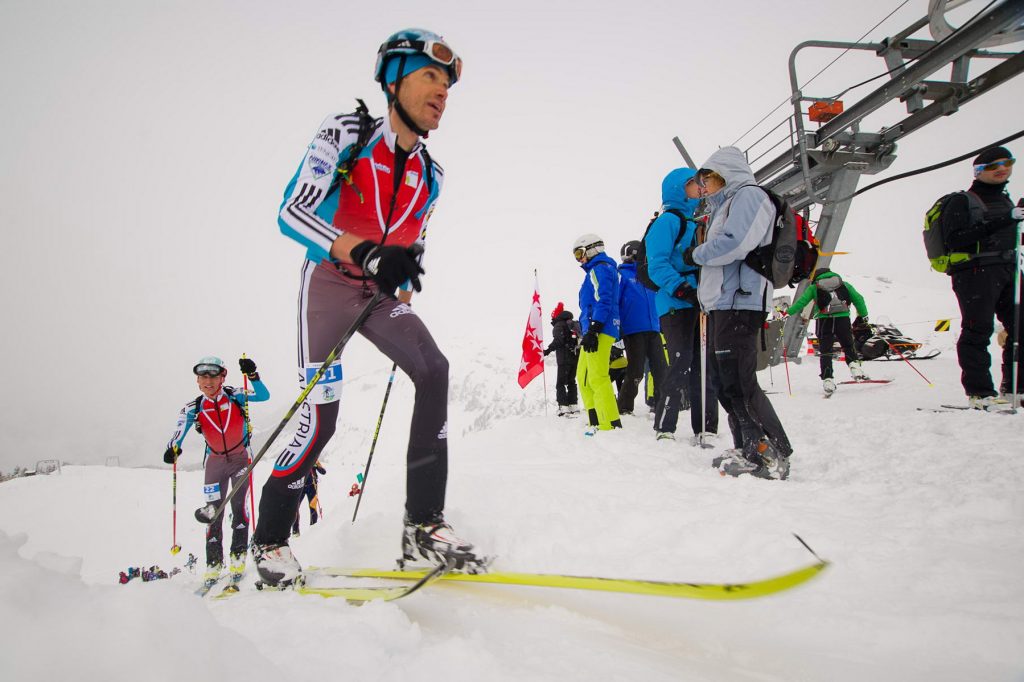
(171, 454)
(389, 266)
(589, 342)
(684, 292)
(688, 257)
(248, 368)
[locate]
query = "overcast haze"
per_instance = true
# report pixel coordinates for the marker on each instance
(144, 148)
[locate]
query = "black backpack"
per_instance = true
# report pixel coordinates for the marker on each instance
(792, 254)
(642, 275)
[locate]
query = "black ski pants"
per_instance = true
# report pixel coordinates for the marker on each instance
(736, 337)
(984, 292)
(565, 378)
(829, 330)
(709, 423)
(678, 327)
(642, 348)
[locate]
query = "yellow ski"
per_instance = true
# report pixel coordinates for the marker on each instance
(678, 590)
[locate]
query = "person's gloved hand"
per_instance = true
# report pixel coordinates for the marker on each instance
(688, 257)
(1017, 213)
(171, 454)
(389, 266)
(546, 351)
(589, 341)
(684, 292)
(248, 368)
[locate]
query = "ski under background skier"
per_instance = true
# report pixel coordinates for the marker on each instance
(311, 491)
(599, 321)
(565, 345)
(676, 300)
(832, 299)
(983, 279)
(219, 415)
(343, 213)
(641, 335)
(741, 219)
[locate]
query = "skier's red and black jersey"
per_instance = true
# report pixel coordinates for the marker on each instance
(375, 203)
(220, 419)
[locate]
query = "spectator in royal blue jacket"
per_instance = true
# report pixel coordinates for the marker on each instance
(641, 330)
(599, 320)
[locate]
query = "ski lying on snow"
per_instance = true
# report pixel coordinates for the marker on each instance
(927, 356)
(679, 590)
(372, 593)
(208, 585)
(867, 381)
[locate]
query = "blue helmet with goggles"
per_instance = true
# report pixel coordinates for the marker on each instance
(209, 366)
(411, 49)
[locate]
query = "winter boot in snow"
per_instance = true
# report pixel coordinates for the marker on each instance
(436, 542)
(666, 436)
(727, 456)
(857, 371)
(989, 403)
(237, 567)
(212, 573)
(760, 459)
(829, 385)
(276, 564)
(206, 514)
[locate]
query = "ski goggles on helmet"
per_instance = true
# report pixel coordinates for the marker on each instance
(994, 165)
(203, 370)
(437, 50)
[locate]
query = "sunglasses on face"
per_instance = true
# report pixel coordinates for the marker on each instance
(994, 165)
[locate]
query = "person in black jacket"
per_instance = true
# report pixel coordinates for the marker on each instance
(565, 345)
(980, 228)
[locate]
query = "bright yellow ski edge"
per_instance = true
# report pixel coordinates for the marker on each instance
(708, 591)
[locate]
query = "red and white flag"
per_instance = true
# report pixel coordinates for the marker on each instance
(532, 363)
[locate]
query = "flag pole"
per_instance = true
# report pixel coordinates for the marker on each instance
(540, 332)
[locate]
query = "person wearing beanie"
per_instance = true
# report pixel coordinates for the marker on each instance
(980, 227)
(565, 344)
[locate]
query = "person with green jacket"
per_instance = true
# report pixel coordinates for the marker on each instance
(833, 298)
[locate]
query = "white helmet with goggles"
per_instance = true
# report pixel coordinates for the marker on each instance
(210, 366)
(587, 246)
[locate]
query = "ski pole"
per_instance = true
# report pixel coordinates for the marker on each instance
(373, 443)
(1015, 350)
(175, 547)
(331, 357)
(902, 356)
(703, 376)
(248, 426)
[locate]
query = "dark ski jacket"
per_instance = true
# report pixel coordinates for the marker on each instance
(562, 343)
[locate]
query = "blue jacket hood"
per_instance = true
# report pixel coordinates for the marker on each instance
(673, 191)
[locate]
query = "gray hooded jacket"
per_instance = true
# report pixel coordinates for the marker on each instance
(741, 220)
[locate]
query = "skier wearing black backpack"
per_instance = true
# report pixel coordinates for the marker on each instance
(676, 301)
(981, 245)
(218, 413)
(742, 218)
(833, 297)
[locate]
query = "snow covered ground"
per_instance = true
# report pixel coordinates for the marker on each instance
(920, 513)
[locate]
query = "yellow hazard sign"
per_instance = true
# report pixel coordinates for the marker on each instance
(942, 325)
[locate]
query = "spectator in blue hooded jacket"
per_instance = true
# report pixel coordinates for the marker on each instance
(599, 321)
(676, 301)
(641, 332)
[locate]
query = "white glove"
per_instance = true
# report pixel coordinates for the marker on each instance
(1017, 213)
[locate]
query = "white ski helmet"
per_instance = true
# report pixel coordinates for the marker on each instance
(587, 246)
(211, 365)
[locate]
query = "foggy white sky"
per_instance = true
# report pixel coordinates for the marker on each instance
(144, 148)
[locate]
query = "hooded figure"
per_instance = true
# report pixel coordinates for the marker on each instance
(740, 222)
(666, 240)
(741, 219)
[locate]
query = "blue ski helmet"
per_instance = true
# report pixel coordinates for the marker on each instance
(420, 48)
(210, 365)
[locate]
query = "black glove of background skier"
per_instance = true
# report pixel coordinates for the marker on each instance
(684, 292)
(389, 266)
(589, 341)
(171, 454)
(248, 368)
